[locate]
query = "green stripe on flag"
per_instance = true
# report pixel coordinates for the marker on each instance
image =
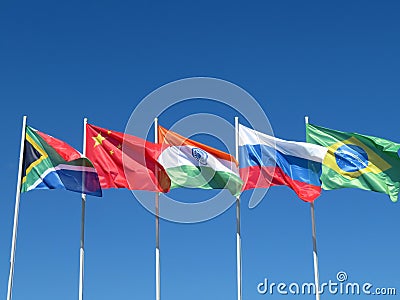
(33, 175)
(37, 165)
(187, 176)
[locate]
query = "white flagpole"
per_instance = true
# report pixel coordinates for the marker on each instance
(16, 209)
(158, 291)
(315, 254)
(314, 237)
(82, 246)
(238, 238)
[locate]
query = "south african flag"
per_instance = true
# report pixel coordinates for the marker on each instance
(49, 163)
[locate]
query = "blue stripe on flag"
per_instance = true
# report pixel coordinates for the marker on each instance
(71, 180)
(295, 167)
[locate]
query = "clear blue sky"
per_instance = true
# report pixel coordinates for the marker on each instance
(337, 62)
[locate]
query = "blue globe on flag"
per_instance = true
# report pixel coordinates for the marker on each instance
(351, 158)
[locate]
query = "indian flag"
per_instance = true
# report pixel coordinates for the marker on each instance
(190, 164)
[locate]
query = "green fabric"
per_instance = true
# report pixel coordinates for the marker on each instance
(357, 161)
(204, 178)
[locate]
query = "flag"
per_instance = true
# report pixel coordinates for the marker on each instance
(49, 163)
(125, 161)
(191, 164)
(357, 161)
(267, 161)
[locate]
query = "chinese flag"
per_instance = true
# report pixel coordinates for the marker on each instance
(125, 161)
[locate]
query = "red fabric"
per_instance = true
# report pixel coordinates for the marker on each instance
(66, 151)
(114, 150)
(264, 177)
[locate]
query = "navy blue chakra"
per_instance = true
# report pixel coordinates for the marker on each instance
(200, 155)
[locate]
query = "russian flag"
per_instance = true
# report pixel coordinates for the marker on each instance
(267, 161)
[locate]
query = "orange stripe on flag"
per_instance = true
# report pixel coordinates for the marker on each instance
(171, 138)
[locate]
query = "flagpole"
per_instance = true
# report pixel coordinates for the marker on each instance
(157, 196)
(238, 238)
(314, 238)
(16, 209)
(82, 245)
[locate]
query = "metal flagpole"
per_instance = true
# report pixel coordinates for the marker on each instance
(16, 209)
(157, 224)
(315, 254)
(238, 238)
(314, 237)
(82, 246)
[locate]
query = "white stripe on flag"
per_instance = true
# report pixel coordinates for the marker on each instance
(304, 150)
(176, 156)
(75, 168)
(40, 180)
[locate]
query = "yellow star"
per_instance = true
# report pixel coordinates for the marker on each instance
(119, 146)
(111, 152)
(98, 140)
(109, 132)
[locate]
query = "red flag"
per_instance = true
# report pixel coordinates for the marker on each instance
(134, 168)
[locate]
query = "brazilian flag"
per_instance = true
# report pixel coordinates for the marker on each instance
(357, 161)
